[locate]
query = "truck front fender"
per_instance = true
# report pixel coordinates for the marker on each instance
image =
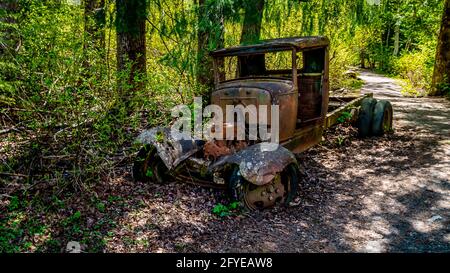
(172, 148)
(259, 163)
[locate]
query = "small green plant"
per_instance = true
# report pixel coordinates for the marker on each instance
(58, 203)
(101, 206)
(72, 219)
(159, 137)
(149, 173)
(344, 117)
(14, 203)
(445, 87)
(340, 140)
(114, 198)
(225, 210)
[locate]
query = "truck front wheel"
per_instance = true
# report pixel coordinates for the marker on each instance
(280, 191)
(149, 167)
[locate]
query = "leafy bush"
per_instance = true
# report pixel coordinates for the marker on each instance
(416, 68)
(341, 59)
(445, 87)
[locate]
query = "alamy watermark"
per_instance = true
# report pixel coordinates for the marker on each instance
(235, 122)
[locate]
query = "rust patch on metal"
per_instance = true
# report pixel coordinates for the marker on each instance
(172, 148)
(259, 163)
(215, 149)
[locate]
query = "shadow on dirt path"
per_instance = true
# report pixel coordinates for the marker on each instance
(411, 204)
(424, 115)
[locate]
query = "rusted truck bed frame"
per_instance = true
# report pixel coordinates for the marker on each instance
(306, 137)
(343, 104)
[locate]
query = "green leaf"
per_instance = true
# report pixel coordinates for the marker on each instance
(149, 173)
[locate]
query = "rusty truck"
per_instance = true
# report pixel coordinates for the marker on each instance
(292, 73)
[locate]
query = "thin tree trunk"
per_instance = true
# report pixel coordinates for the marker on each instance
(94, 23)
(210, 36)
(10, 44)
(362, 55)
(441, 75)
(396, 38)
(10, 40)
(388, 35)
(131, 52)
(251, 30)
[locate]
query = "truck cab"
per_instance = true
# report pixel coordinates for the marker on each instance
(289, 72)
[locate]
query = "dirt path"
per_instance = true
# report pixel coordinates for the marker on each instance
(424, 115)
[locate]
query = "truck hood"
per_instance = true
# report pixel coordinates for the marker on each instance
(273, 85)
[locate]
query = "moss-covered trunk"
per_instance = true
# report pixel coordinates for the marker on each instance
(94, 24)
(441, 75)
(210, 36)
(131, 54)
(251, 30)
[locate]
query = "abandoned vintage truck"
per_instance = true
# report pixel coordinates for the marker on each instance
(289, 72)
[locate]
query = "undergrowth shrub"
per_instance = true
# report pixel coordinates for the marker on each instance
(416, 70)
(341, 58)
(71, 122)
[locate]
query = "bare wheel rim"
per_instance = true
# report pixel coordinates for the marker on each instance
(260, 197)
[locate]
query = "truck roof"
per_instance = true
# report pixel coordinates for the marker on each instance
(280, 44)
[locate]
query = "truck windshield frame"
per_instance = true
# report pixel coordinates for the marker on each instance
(252, 65)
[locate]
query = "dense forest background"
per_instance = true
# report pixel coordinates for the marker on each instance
(80, 79)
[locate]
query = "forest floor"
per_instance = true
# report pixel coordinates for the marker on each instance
(359, 195)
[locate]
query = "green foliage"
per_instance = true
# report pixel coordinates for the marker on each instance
(71, 128)
(149, 173)
(416, 70)
(345, 116)
(445, 87)
(101, 206)
(225, 210)
(72, 219)
(14, 203)
(17, 229)
(67, 95)
(340, 140)
(341, 59)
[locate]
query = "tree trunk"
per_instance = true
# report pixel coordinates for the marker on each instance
(10, 40)
(94, 23)
(210, 36)
(251, 30)
(362, 55)
(397, 38)
(131, 58)
(441, 75)
(10, 44)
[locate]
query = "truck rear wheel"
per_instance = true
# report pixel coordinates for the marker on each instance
(382, 118)
(280, 191)
(149, 167)
(365, 117)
